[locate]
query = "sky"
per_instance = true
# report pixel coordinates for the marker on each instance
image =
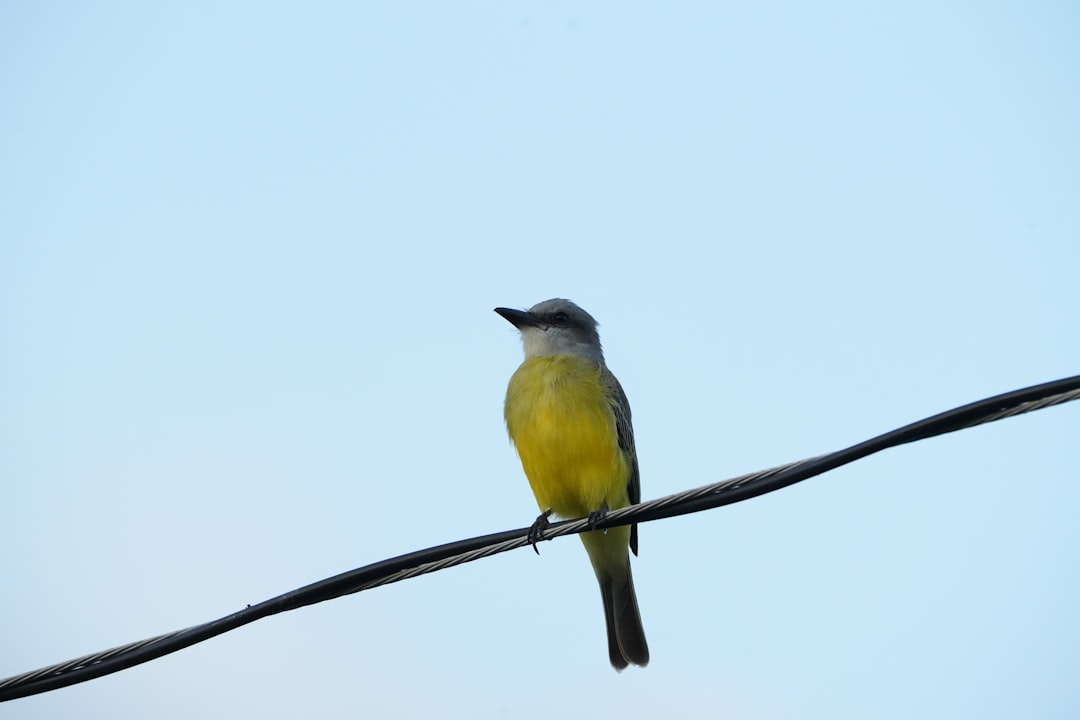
(249, 254)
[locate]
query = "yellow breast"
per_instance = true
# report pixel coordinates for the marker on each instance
(559, 416)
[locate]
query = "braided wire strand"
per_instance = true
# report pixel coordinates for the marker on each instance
(449, 555)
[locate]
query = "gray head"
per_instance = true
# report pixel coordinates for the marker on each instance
(556, 327)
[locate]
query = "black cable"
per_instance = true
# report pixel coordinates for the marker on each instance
(435, 558)
(965, 416)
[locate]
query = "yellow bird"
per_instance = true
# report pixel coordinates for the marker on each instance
(570, 421)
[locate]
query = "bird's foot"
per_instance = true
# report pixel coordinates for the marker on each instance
(539, 527)
(597, 515)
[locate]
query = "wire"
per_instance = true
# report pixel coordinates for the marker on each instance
(440, 557)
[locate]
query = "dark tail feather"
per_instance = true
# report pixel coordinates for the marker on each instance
(626, 636)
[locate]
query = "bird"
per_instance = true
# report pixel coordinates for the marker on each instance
(569, 419)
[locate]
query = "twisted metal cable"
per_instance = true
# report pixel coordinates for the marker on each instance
(441, 557)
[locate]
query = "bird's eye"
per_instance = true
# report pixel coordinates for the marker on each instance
(560, 318)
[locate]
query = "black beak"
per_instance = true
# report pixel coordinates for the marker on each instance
(519, 318)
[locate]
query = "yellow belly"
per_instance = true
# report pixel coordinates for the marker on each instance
(560, 418)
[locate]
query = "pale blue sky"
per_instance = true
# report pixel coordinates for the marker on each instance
(248, 258)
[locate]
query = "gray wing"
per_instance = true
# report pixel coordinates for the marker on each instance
(621, 407)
